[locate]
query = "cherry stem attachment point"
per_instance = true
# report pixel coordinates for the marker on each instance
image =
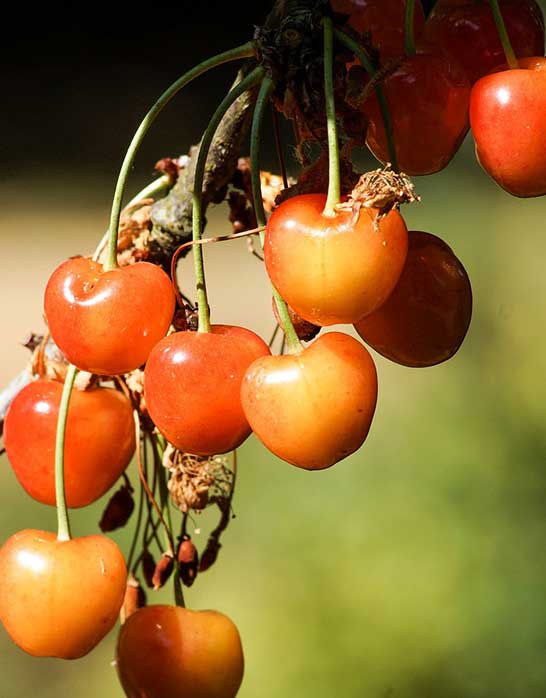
(63, 523)
(368, 66)
(266, 88)
(334, 181)
(409, 34)
(503, 35)
(244, 51)
(247, 83)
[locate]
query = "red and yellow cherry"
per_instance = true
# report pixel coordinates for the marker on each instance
(383, 21)
(60, 598)
(428, 97)
(315, 407)
(99, 442)
(107, 322)
(333, 269)
(192, 384)
(172, 652)
(425, 319)
(508, 119)
(466, 30)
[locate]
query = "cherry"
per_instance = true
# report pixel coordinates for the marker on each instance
(383, 21)
(428, 98)
(315, 407)
(172, 652)
(466, 30)
(107, 322)
(99, 444)
(333, 269)
(508, 119)
(192, 384)
(426, 317)
(60, 598)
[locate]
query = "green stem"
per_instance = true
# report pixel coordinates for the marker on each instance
(245, 84)
(334, 183)
(503, 35)
(294, 345)
(63, 524)
(137, 528)
(352, 45)
(409, 34)
(244, 51)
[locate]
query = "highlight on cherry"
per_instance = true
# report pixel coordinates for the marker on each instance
(131, 365)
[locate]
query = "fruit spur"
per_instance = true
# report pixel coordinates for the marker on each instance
(130, 366)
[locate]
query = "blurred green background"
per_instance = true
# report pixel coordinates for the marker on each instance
(415, 568)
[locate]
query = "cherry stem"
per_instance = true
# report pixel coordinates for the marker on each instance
(503, 35)
(334, 182)
(136, 533)
(203, 241)
(264, 94)
(244, 51)
(409, 34)
(368, 66)
(240, 88)
(63, 523)
(278, 147)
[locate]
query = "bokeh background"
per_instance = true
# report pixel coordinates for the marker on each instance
(414, 569)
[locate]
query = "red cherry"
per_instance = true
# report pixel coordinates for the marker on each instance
(428, 98)
(426, 317)
(333, 269)
(313, 408)
(99, 443)
(172, 652)
(60, 598)
(192, 384)
(107, 322)
(383, 20)
(508, 119)
(466, 30)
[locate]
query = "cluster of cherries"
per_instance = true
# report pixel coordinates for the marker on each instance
(332, 260)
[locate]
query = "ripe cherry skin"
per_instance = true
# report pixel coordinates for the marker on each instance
(60, 598)
(99, 444)
(425, 319)
(331, 269)
(107, 322)
(192, 384)
(428, 97)
(508, 119)
(314, 408)
(172, 652)
(466, 30)
(383, 20)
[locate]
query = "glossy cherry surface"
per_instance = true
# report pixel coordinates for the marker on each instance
(192, 384)
(508, 119)
(383, 20)
(466, 30)
(60, 598)
(314, 408)
(428, 97)
(333, 269)
(171, 652)
(425, 319)
(108, 322)
(99, 443)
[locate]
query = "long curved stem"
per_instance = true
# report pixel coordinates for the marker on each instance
(264, 94)
(503, 35)
(352, 45)
(244, 51)
(245, 84)
(334, 184)
(63, 524)
(409, 34)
